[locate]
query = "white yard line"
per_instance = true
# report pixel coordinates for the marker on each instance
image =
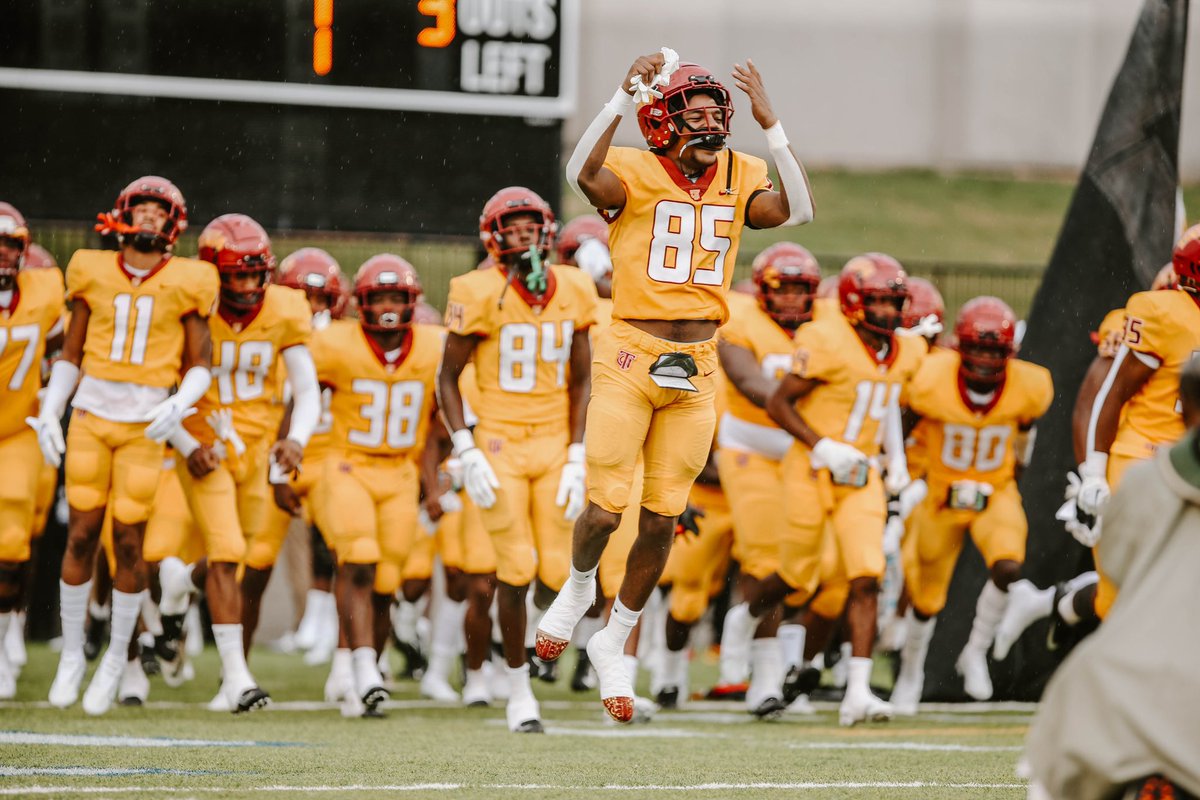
(77, 740)
(913, 746)
(97, 772)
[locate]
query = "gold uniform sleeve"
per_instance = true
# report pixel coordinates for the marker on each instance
(78, 273)
(201, 289)
(298, 321)
(466, 313)
(1039, 388)
(815, 357)
(1149, 327)
(737, 330)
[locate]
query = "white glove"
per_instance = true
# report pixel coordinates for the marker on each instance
(454, 469)
(927, 326)
(50, 438)
(1068, 514)
(478, 478)
(572, 486)
(221, 422)
(427, 523)
(1093, 487)
(897, 479)
(450, 502)
(165, 416)
(911, 496)
(594, 258)
(840, 458)
(642, 92)
(893, 533)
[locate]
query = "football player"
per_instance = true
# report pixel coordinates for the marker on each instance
(840, 402)
(525, 324)
(976, 407)
(676, 213)
(317, 274)
(755, 349)
(381, 371)
(576, 234)
(229, 452)
(31, 310)
(138, 320)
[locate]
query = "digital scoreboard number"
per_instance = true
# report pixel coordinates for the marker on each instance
(492, 57)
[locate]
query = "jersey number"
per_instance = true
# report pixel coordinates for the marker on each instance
(520, 349)
(242, 371)
(965, 447)
(393, 412)
(27, 334)
(142, 312)
(871, 401)
(674, 240)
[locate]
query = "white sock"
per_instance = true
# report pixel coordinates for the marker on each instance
(1066, 608)
(1082, 580)
(406, 621)
(518, 680)
(579, 581)
(343, 663)
(151, 617)
(916, 642)
(672, 670)
(631, 667)
(859, 677)
(6, 618)
(989, 609)
(533, 615)
(791, 640)
(621, 622)
(126, 608)
(98, 610)
(72, 607)
(366, 669)
(586, 628)
(766, 663)
(234, 671)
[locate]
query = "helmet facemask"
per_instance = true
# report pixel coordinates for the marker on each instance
(787, 299)
(398, 303)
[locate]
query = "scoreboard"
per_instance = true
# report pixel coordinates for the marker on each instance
(378, 115)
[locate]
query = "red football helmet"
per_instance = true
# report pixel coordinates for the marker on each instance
(1165, 279)
(868, 277)
(160, 190)
(923, 299)
(576, 232)
(238, 245)
(316, 273)
(38, 257)
(15, 230)
(386, 273)
(987, 338)
(661, 119)
(786, 264)
(1186, 260)
(511, 200)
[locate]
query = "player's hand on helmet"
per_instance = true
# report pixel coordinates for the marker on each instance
(165, 416)
(648, 72)
(286, 498)
(202, 461)
(841, 459)
(50, 438)
(749, 80)
(287, 454)
(689, 521)
(572, 485)
(478, 478)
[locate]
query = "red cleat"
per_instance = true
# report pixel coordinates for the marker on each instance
(548, 648)
(619, 708)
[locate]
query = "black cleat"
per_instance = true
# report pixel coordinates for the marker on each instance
(372, 699)
(583, 679)
(530, 726)
(800, 680)
(149, 662)
(95, 635)
(668, 698)
(415, 662)
(1059, 631)
(544, 671)
(252, 699)
(130, 701)
(769, 709)
(728, 691)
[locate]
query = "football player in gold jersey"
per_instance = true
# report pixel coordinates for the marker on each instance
(381, 371)
(976, 407)
(525, 324)
(756, 352)
(31, 309)
(676, 213)
(840, 402)
(229, 447)
(138, 320)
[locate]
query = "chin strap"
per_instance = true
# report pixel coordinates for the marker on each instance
(535, 281)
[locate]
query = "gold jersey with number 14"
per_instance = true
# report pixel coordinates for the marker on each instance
(674, 243)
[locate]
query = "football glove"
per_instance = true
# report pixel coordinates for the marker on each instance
(927, 326)
(1084, 527)
(50, 438)
(1093, 489)
(689, 521)
(165, 416)
(911, 496)
(478, 478)
(572, 486)
(642, 92)
(221, 422)
(840, 458)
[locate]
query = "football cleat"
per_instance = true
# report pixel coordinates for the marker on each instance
(523, 714)
(67, 680)
(616, 692)
(800, 680)
(415, 662)
(150, 665)
(859, 707)
(95, 635)
(437, 688)
(770, 707)
(583, 679)
(973, 667)
(544, 671)
(102, 690)
(906, 694)
(558, 623)
(668, 697)
(340, 681)
(251, 699)
(372, 699)
(476, 692)
(802, 706)
(134, 688)
(1026, 605)
(727, 691)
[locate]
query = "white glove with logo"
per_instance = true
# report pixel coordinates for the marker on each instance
(50, 438)
(221, 422)
(840, 458)
(1069, 513)
(1093, 487)
(572, 486)
(165, 417)
(911, 496)
(927, 326)
(478, 477)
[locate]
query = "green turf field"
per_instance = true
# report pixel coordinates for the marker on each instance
(301, 748)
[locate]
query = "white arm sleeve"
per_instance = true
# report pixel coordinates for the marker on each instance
(193, 386)
(306, 394)
(63, 377)
(790, 175)
(184, 443)
(893, 439)
(620, 105)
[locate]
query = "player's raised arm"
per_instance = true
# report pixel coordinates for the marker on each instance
(586, 173)
(793, 203)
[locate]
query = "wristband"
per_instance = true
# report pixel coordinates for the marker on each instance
(462, 441)
(576, 453)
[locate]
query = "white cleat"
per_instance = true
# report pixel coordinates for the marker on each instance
(476, 693)
(558, 623)
(435, 687)
(863, 707)
(322, 652)
(14, 643)
(1026, 605)
(193, 634)
(8, 678)
(523, 714)
(65, 689)
(339, 683)
(351, 705)
(616, 692)
(220, 702)
(177, 588)
(977, 681)
(134, 688)
(306, 633)
(802, 706)
(497, 680)
(102, 690)
(906, 694)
